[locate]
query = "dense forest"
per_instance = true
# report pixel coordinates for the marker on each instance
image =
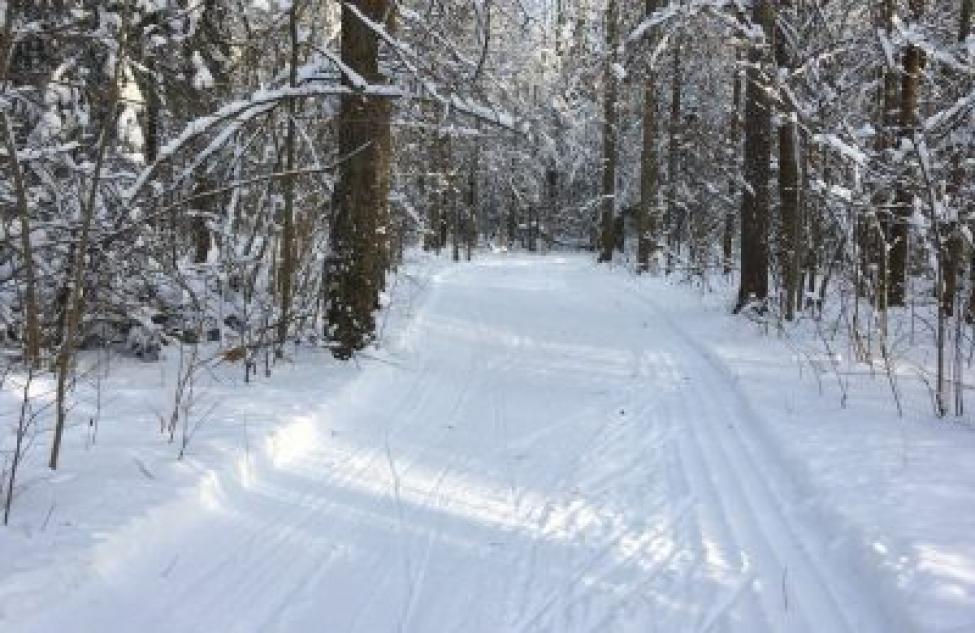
(215, 187)
(251, 172)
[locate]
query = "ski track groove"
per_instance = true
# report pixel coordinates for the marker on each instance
(453, 425)
(776, 531)
(263, 542)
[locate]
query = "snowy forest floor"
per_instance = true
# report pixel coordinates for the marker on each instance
(538, 445)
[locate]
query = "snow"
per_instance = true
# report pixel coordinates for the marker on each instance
(619, 72)
(537, 445)
(845, 150)
(660, 16)
(49, 125)
(237, 113)
(411, 62)
(202, 78)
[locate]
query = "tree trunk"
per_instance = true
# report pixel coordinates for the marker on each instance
(954, 243)
(286, 270)
(384, 141)
(151, 120)
(958, 247)
(910, 83)
(75, 304)
(813, 227)
(360, 199)
(552, 210)
(32, 328)
(559, 26)
(470, 234)
(789, 200)
(610, 121)
(728, 237)
(879, 231)
(426, 201)
(442, 205)
(788, 188)
(675, 224)
(456, 225)
(199, 230)
(965, 20)
(646, 211)
(755, 197)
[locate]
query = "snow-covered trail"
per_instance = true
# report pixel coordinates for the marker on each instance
(546, 451)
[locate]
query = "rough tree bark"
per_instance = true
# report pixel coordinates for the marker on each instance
(913, 61)
(441, 204)
(286, 270)
(788, 185)
(956, 243)
(78, 266)
(32, 328)
(965, 19)
(730, 218)
(646, 211)
(470, 224)
(878, 231)
(363, 124)
(607, 238)
(384, 136)
(755, 197)
(674, 222)
(456, 225)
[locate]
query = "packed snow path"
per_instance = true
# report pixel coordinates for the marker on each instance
(545, 450)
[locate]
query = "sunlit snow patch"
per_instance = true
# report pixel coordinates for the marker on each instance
(292, 442)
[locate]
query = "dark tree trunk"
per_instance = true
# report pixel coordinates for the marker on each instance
(198, 226)
(360, 191)
(730, 218)
(455, 219)
(286, 270)
(789, 200)
(965, 21)
(610, 119)
(814, 230)
(758, 148)
(958, 248)
(878, 230)
(674, 214)
(470, 233)
(788, 187)
(646, 214)
(900, 234)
